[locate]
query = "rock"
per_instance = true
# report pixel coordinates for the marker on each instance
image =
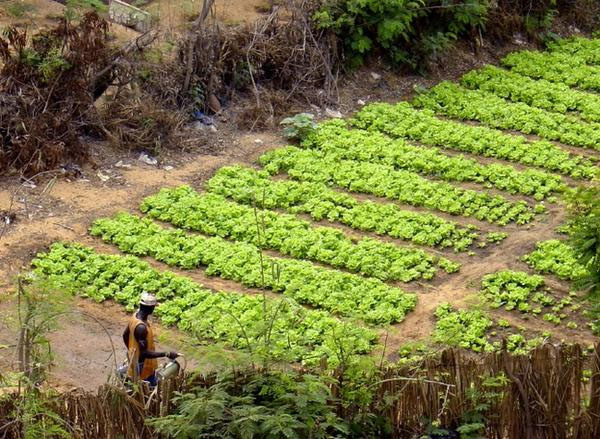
(145, 158)
(120, 164)
(102, 176)
(213, 129)
(333, 113)
(361, 102)
(519, 40)
(258, 141)
(213, 103)
(198, 126)
(375, 76)
(315, 108)
(168, 168)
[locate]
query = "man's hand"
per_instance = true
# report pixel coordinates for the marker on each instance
(172, 355)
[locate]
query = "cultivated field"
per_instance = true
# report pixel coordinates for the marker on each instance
(437, 221)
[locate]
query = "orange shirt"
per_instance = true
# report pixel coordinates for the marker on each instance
(150, 364)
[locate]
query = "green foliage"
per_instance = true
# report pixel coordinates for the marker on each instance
(18, 8)
(298, 127)
(324, 203)
(493, 237)
(584, 240)
(453, 100)
(213, 215)
(36, 417)
(555, 67)
(334, 139)
(74, 9)
(558, 258)
(49, 64)
(463, 328)
(402, 120)
(551, 96)
(248, 322)
(481, 398)
(585, 49)
(407, 31)
(335, 291)
(384, 181)
(511, 289)
(268, 404)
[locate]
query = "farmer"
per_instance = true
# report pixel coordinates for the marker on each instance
(139, 340)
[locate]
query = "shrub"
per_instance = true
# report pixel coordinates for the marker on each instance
(298, 127)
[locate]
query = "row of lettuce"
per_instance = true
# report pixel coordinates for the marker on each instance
(289, 331)
(550, 94)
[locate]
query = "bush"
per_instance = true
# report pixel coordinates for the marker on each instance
(45, 97)
(408, 31)
(299, 127)
(270, 404)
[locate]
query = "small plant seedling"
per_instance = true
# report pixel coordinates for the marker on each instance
(298, 127)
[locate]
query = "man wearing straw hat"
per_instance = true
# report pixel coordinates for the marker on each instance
(139, 340)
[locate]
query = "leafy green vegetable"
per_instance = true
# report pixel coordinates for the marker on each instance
(556, 257)
(213, 215)
(511, 289)
(335, 291)
(453, 100)
(295, 334)
(543, 94)
(463, 328)
(555, 67)
(404, 186)
(248, 186)
(402, 120)
(337, 141)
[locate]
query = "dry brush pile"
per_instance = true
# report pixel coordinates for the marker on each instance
(46, 93)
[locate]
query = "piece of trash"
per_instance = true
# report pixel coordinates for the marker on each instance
(519, 40)
(203, 118)
(360, 102)
(29, 185)
(213, 103)
(333, 113)
(315, 108)
(72, 169)
(168, 168)
(120, 164)
(258, 141)
(147, 159)
(198, 126)
(7, 217)
(375, 76)
(102, 176)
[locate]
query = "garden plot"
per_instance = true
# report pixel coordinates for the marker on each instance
(402, 221)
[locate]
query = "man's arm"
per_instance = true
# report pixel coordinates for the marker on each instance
(126, 337)
(141, 335)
